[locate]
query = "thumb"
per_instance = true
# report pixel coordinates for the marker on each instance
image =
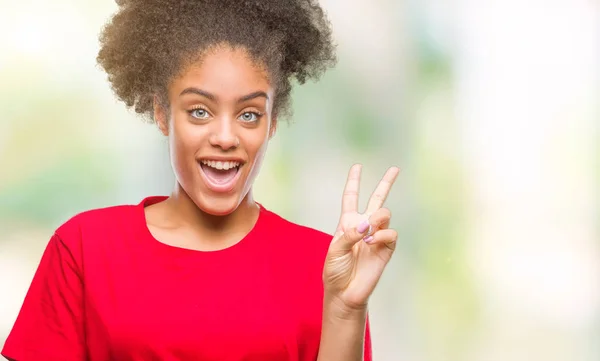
(346, 240)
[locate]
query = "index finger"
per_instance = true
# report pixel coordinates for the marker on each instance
(350, 197)
(383, 189)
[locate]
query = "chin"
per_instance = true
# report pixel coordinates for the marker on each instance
(218, 206)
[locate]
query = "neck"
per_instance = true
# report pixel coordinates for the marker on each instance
(239, 222)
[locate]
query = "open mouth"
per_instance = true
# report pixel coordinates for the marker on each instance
(220, 175)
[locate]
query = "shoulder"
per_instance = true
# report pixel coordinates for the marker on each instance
(298, 253)
(102, 223)
(296, 233)
(278, 222)
(93, 219)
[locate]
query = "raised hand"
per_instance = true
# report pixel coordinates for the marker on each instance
(362, 245)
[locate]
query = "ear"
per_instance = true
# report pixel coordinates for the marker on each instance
(273, 127)
(160, 116)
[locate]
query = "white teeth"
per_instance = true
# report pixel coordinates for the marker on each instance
(220, 165)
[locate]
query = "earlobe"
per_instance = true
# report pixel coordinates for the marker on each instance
(160, 117)
(273, 127)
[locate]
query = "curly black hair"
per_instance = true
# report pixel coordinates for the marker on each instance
(148, 42)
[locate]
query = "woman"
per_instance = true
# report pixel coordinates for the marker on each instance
(208, 273)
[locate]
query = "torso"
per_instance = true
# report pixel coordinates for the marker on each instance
(260, 299)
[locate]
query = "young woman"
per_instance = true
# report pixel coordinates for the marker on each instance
(208, 273)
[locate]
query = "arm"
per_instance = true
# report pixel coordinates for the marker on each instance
(343, 335)
(361, 248)
(49, 326)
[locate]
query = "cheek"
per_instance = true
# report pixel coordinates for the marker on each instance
(183, 142)
(259, 149)
(256, 144)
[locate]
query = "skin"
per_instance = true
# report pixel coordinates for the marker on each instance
(199, 127)
(361, 248)
(196, 217)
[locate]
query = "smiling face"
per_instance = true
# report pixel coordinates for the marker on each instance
(219, 123)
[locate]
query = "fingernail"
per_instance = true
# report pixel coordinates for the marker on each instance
(369, 239)
(363, 226)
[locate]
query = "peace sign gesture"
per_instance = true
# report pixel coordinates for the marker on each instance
(362, 245)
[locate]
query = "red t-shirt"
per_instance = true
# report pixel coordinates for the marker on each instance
(106, 289)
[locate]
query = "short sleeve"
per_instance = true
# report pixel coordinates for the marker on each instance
(50, 326)
(368, 348)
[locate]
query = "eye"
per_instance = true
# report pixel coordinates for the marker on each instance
(199, 113)
(249, 117)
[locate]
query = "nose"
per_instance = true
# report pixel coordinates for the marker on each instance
(223, 135)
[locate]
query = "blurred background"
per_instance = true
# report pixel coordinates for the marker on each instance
(490, 108)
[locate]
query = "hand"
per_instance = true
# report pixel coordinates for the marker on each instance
(362, 245)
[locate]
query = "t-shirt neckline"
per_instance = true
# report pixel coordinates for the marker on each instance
(247, 240)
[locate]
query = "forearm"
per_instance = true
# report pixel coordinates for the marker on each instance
(342, 333)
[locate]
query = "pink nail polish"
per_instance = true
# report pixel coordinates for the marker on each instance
(363, 226)
(369, 239)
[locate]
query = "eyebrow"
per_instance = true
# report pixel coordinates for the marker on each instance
(212, 97)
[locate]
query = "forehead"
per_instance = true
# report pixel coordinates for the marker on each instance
(224, 71)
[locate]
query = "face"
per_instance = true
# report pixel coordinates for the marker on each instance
(219, 123)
